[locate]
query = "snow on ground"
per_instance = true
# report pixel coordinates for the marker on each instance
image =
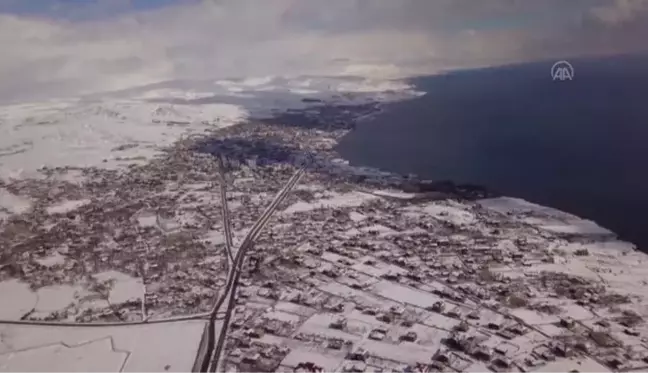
(328, 362)
(575, 226)
(53, 260)
(149, 348)
(319, 324)
(573, 267)
(295, 309)
(393, 194)
(378, 269)
(510, 205)
(546, 218)
(582, 364)
(407, 353)
(283, 316)
(379, 229)
(78, 133)
(352, 199)
(449, 211)
(533, 317)
(66, 206)
(22, 299)
(404, 294)
(356, 216)
(55, 297)
(12, 203)
(115, 129)
(359, 296)
(125, 288)
(439, 321)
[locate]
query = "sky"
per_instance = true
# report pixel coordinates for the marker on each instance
(55, 48)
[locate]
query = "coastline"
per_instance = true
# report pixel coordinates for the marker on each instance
(187, 166)
(145, 244)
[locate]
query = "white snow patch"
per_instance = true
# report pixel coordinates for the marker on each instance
(509, 205)
(404, 294)
(51, 261)
(407, 353)
(327, 362)
(282, 316)
(13, 203)
(546, 218)
(56, 297)
(356, 216)
(533, 317)
(154, 348)
(447, 211)
(319, 324)
(377, 228)
(582, 364)
(574, 226)
(17, 299)
(352, 199)
(125, 288)
(437, 320)
(147, 219)
(66, 206)
(77, 133)
(394, 194)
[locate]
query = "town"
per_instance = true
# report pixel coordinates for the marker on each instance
(357, 270)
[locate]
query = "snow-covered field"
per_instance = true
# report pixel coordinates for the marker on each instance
(113, 130)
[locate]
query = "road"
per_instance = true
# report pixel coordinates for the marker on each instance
(234, 272)
(227, 226)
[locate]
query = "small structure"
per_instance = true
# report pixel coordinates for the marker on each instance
(308, 367)
(438, 306)
(339, 324)
(409, 337)
(335, 344)
(385, 317)
(251, 358)
(378, 334)
(358, 355)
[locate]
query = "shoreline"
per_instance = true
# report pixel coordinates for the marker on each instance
(172, 195)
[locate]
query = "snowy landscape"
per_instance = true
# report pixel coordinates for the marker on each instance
(111, 213)
(171, 197)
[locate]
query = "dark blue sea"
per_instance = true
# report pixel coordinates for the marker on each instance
(580, 145)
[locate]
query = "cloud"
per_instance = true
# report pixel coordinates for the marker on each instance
(620, 11)
(49, 56)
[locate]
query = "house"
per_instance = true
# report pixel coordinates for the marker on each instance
(370, 311)
(407, 323)
(335, 344)
(251, 358)
(254, 333)
(500, 364)
(409, 337)
(462, 327)
(358, 355)
(338, 324)
(378, 334)
(481, 353)
(438, 307)
(385, 317)
(506, 334)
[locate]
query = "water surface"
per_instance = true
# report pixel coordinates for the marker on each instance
(580, 145)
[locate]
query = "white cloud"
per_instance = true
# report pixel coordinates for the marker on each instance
(217, 39)
(620, 11)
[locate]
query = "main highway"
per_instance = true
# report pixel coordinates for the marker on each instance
(236, 262)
